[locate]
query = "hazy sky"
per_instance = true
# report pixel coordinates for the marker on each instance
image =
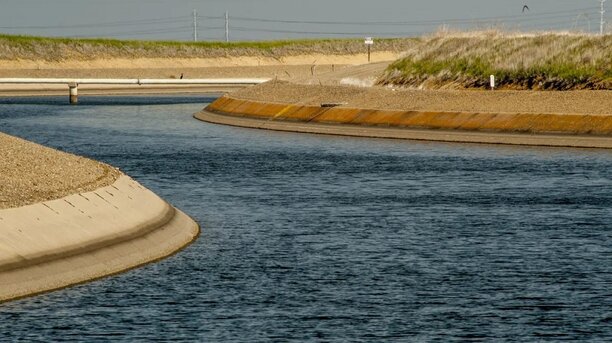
(173, 19)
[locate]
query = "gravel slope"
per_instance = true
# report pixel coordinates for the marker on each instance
(173, 72)
(31, 173)
(551, 102)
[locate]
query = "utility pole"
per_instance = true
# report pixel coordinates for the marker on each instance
(602, 21)
(195, 25)
(226, 27)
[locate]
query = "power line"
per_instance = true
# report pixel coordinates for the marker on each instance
(252, 19)
(543, 19)
(132, 33)
(555, 24)
(414, 22)
(178, 29)
(540, 22)
(106, 24)
(529, 19)
(251, 29)
(167, 20)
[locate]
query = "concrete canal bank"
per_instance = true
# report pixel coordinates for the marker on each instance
(60, 226)
(318, 113)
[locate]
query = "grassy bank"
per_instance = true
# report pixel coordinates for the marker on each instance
(545, 61)
(57, 49)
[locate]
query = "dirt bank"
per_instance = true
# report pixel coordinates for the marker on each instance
(171, 71)
(314, 69)
(170, 62)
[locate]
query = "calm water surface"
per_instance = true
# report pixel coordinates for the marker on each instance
(316, 238)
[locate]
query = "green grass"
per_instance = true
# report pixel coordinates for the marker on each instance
(559, 62)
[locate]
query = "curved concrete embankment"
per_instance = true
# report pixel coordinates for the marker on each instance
(84, 236)
(569, 130)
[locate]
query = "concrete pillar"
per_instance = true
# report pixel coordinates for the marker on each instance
(74, 93)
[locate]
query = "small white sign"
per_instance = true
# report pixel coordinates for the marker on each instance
(369, 41)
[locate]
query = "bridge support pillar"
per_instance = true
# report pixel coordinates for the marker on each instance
(74, 93)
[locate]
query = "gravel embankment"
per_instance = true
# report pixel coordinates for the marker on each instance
(282, 72)
(31, 173)
(550, 102)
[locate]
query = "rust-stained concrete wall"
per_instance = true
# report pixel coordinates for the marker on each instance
(566, 124)
(81, 237)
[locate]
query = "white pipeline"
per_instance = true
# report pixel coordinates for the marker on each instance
(237, 81)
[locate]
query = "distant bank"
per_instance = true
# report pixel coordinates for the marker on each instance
(459, 60)
(569, 119)
(24, 56)
(39, 57)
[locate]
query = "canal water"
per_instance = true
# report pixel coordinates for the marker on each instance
(320, 238)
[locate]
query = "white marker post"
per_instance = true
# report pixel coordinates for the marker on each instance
(492, 82)
(369, 42)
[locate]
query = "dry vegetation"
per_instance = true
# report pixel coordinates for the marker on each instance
(519, 61)
(58, 49)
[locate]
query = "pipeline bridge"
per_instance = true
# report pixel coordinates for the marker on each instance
(72, 84)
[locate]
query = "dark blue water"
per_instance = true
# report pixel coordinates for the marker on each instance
(318, 238)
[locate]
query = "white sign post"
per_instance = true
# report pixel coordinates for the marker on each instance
(369, 42)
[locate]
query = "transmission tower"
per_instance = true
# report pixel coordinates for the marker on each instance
(602, 20)
(226, 26)
(195, 25)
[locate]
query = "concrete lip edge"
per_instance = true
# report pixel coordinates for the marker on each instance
(217, 116)
(158, 238)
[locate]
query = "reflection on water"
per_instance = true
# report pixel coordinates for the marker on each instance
(309, 237)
